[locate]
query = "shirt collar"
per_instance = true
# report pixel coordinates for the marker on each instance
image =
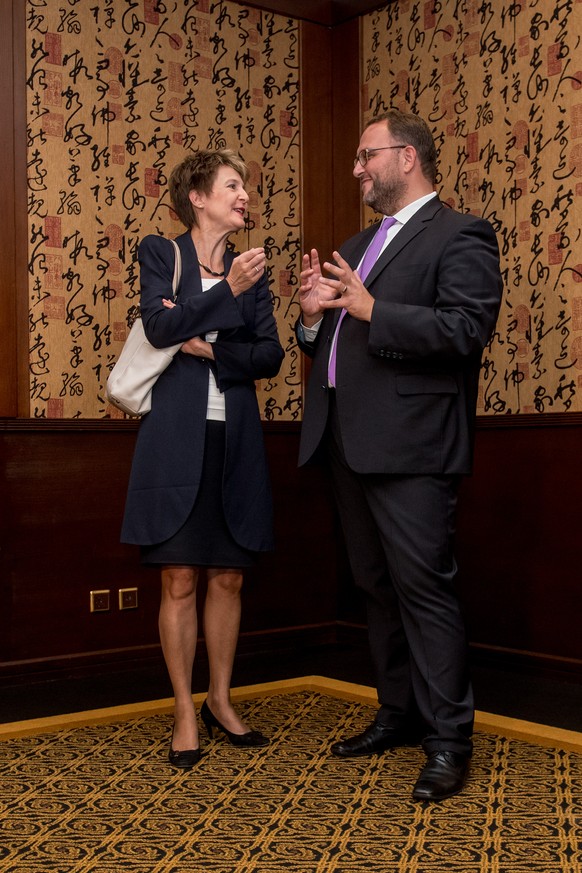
(405, 214)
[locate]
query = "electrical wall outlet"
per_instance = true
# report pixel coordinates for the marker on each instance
(128, 598)
(99, 600)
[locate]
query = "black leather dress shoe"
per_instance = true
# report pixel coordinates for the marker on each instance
(376, 738)
(442, 776)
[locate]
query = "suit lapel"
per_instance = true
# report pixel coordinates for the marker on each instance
(419, 222)
(366, 237)
(353, 259)
(190, 282)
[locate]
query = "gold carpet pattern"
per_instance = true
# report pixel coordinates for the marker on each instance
(103, 798)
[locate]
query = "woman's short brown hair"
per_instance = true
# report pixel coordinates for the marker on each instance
(197, 172)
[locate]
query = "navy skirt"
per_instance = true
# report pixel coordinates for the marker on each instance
(204, 540)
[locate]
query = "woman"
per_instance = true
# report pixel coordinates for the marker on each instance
(199, 496)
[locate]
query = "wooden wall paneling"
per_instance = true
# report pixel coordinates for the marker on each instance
(346, 222)
(63, 488)
(8, 397)
(316, 143)
(64, 491)
(330, 121)
(326, 12)
(315, 11)
(316, 137)
(346, 129)
(330, 133)
(294, 586)
(14, 331)
(518, 543)
(517, 547)
(330, 214)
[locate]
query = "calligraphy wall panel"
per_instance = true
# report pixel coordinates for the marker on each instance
(118, 92)
(501, 86)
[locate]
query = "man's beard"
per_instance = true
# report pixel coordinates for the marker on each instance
(386, 197)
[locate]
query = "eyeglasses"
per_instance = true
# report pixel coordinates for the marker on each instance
(364, 156)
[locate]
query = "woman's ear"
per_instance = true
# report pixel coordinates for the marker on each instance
(196, 199)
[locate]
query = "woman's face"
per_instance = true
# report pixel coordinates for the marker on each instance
(225, 207)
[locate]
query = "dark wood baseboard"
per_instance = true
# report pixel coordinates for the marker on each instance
(532, 663)
(63, 490)
(274, 643)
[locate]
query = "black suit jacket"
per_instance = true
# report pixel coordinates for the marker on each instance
(406, 383)
(167, 463)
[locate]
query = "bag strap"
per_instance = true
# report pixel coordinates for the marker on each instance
(177, 269)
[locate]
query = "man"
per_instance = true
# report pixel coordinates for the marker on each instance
(391, 403)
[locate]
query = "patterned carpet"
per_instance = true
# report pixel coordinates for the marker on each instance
(102, 797)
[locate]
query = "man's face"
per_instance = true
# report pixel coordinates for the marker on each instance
(382, 180)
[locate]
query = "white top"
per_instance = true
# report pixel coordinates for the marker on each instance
(216, 408)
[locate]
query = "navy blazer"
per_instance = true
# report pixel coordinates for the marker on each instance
(169, 451)
(407, 382)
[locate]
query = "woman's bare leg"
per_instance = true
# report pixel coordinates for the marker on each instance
(178, 626)
(222, 611)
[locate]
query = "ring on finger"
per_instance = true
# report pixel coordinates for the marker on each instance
(257, 269)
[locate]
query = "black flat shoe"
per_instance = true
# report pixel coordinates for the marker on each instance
(376, 738)
(250, 738)
(184, 760)
(442, 776)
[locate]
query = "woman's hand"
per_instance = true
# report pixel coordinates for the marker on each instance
(246, 269)
(199, 348)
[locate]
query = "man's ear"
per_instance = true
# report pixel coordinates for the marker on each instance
(410, 158)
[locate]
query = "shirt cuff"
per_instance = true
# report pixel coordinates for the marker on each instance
(310, 333)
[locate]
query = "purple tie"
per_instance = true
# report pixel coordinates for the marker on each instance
(368, 262)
